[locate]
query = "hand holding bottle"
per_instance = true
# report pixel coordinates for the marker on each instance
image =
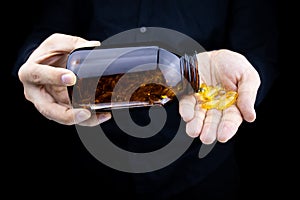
(45, 81)
(233, 72)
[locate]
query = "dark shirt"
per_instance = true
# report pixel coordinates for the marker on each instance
(244, 26)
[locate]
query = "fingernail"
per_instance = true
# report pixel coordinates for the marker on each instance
(253, 117)
(82, 116)
(91, 43)
(94, 42)
(207, 140)
(68, 79)
(222, 139)
(224, 134)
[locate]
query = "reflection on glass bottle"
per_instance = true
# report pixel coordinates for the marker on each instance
(130, 77)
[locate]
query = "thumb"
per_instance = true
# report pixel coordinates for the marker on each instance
(247, 91)
(63, 43)
(91, 43)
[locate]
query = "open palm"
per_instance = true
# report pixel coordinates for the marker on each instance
(234, 72)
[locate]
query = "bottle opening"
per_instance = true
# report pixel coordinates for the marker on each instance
(190, 71)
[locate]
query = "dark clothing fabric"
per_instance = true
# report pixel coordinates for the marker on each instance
(247, 27)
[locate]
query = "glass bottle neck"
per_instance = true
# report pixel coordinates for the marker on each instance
(190, 71)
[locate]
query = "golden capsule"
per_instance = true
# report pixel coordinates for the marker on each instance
(209, 92)
(210, 104)
(213, 92)
(215, 97)
(227, 100)
(203, 89)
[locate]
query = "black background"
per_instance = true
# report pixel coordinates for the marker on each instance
(36, 150)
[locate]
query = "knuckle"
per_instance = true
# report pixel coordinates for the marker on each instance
(23, 72)
(35, 76)
(29, 73)
(27, 95)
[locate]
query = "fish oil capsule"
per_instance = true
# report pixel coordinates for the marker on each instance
(227, 100)
(215, 97)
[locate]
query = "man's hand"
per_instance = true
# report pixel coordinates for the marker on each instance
(45, 81)
(233, 72)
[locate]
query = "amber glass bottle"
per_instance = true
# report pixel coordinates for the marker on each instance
(114, 78)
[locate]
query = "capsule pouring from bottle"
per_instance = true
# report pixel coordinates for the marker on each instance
(126, 77)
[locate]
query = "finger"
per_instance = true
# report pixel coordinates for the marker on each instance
(210, 127)
(65, 115)
(96, 119)
(247, 94)
(187, 107)
(230, 122)
(194, 126)
(60, 94)
(43, 74)
(62, 114)
(61, 43)
(48, 107)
